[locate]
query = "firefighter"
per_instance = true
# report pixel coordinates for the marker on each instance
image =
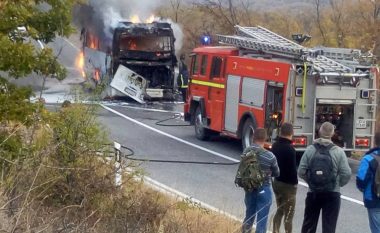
(183, 77)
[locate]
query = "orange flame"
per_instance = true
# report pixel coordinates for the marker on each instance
(150, 19)
(97, 75)
(92, 41)
(79, 63)
(135, 19)
(132, 45)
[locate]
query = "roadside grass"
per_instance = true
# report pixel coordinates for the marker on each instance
(57, 175)
(187, 216)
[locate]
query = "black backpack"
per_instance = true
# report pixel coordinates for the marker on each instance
(249, 175)
(376, 176)
(320, 174)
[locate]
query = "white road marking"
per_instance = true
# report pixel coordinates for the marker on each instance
(173, 192)
(342, 196)
(141, 108)
(70, 43)
(203, 148)
(169, 135)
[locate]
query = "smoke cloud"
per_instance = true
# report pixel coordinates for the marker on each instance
(101, 17)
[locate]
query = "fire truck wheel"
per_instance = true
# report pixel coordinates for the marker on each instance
(247, 133)
(201, 132)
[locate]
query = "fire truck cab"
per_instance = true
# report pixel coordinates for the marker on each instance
(264, 80)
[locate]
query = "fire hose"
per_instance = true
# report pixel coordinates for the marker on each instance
(129, 155)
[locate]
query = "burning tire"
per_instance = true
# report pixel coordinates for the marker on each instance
(247, 133)
(201, 132)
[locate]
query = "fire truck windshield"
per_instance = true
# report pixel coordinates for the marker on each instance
(149, 43)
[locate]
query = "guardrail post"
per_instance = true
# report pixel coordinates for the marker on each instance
(118, 176)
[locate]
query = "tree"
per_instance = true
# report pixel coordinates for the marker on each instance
(176, 6)
(24, 22)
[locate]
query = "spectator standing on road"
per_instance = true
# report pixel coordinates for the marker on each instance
(365, 183)
(324, 166)
(285, 186)
(183, 77)
(258, 201)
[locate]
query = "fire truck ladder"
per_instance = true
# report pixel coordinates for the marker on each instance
(325, 65)
(261, 46)
(262, 40)
(264, 35)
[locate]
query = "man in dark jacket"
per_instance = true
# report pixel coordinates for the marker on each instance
(285, 186)
(365, 181)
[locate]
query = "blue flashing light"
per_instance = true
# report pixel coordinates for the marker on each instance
(206, 40)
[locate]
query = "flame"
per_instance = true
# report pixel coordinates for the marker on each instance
(150, 19)
(97, 75)
(79, 63)
(135, 19)
(92, 41)
(132, 45)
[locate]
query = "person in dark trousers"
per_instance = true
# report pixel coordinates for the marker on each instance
(365, 183)
(258, 202)
(285, 185)
(183, 77)
(328, 201)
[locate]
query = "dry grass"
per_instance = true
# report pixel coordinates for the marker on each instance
(61, 183)
(189, 217)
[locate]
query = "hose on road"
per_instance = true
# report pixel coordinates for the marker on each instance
(176, 116)
(131, 153)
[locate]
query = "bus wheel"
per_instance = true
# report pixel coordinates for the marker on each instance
(201, 132)
(247, 133)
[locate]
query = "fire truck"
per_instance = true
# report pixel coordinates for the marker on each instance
(257, 78)
(138, 61)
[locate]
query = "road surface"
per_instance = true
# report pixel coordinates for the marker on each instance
(135, 127)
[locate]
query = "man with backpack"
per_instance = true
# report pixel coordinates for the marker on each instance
(285, 186)
(324, 166)
(368, 182)
(256, 168)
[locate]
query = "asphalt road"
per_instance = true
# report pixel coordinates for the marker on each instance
(211, 184)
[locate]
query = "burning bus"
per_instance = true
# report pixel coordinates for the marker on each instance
(138, 61)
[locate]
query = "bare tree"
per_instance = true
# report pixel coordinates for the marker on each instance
(319, 21)
(223, 10)
(176, 5)
(337, 16)
(376, 23)
(246, 8)
(369, 13)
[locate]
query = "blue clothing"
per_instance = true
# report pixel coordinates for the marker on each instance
(365, 178)
(374, 219)
(258, 203)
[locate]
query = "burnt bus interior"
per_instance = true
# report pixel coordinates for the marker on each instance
(147, 49)
(341, 116)
(148, 43)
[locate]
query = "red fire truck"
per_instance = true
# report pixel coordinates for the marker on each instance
(260, 79)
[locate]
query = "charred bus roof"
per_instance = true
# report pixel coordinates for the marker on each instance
(141, 29)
